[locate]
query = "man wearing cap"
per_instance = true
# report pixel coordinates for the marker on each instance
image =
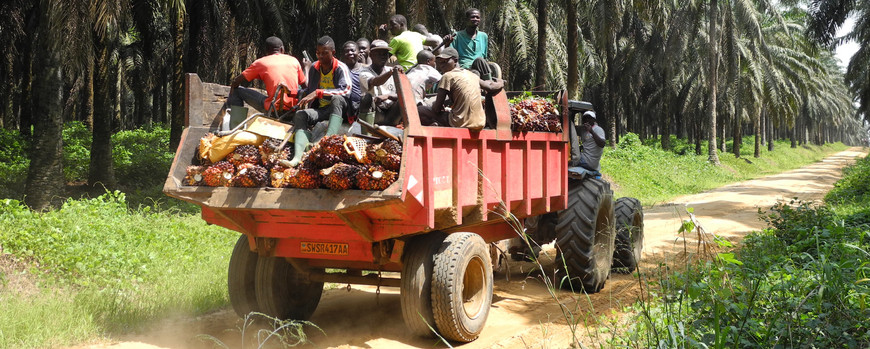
(463, 88)
(275, 68)
(378, 89)
(592, 138)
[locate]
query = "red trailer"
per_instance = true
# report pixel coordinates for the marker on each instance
(433, 225)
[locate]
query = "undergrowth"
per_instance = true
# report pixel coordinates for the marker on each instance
(653, 175)
(803, 282)
(107, 269)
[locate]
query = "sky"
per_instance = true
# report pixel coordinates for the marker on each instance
(845, 51)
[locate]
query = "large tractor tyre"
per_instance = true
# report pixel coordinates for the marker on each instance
(241, 278)
(462, 287)
(628, 214)
(283, 292)
(585, 235)
(416, 282)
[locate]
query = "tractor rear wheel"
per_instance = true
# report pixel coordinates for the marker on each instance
(462, 287)
(628, 214)
(283, 292)
(416, 282)
(585, 235)
(241, 278)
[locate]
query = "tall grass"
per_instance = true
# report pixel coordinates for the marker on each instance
(109, 268)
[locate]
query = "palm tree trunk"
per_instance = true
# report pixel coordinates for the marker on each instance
(541, 58)
(713, 81)
(771, 135)
(45, 176)
(573, 43)
(105, 89)
(759, 135)
(176, 124)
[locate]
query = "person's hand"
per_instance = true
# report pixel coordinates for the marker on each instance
(382, 27)
(307, 99)
(381, 99)
(447, 39)
(588, 127)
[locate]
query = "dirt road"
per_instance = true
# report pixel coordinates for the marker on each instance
(524, 314)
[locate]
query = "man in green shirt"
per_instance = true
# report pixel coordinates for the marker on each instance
(472, 45)
(405, 43)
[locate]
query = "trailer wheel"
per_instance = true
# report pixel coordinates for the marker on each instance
(283, 292)
(241, 278)
(462, 286)
(628, 214)
(416, 282)
(585, 235)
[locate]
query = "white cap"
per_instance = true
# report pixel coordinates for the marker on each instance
(590, 114)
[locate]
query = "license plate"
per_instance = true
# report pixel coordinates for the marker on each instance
(328, 248)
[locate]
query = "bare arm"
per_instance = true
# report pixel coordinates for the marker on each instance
(491, 86)
(382, 78)
(238, 81)
(438, 105)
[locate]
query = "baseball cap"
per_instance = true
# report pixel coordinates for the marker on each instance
(379, 45)
(590, 114)
(448, 53)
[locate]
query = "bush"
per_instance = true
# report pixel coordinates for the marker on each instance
(76, 151)
(141, 157)
(13, 156)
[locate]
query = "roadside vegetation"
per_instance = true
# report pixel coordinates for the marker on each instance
(803, 282)
(109, 263)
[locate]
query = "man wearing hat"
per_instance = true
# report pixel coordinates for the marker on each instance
(592, 138)
(463, 88)
(378, 89)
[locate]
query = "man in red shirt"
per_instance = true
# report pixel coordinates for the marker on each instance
(274, 68)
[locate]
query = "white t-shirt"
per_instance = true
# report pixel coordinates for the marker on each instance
(591, 154)
(388, 87)
(422, 77)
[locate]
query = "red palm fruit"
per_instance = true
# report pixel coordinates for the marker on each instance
(194, 175)
(305, 177)
(250, 176)
(219, 175)
(375, 178)
(340, 176)
(244, 154)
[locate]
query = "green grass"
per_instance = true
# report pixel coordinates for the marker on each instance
(804, 282)
(107, 268)
(654, 175)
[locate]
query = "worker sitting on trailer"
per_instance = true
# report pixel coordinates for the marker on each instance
(275, 68)
(472, 45)
(350, 54)
(379, 90)
(463, 88)
(405, 43)
(423, 76)
(328, 84)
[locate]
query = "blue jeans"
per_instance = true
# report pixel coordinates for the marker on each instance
(241, 95)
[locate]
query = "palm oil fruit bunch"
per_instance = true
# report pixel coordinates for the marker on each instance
(195, 175)
(375, 177)
(340, 176)
(270, 154)
(244, 154)
(329, 151)
(304, 176)
(250, 176)
(279, 176)
(387, 154)
(535, 114)
(219, 175)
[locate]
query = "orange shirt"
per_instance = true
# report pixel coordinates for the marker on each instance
(277, 69)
